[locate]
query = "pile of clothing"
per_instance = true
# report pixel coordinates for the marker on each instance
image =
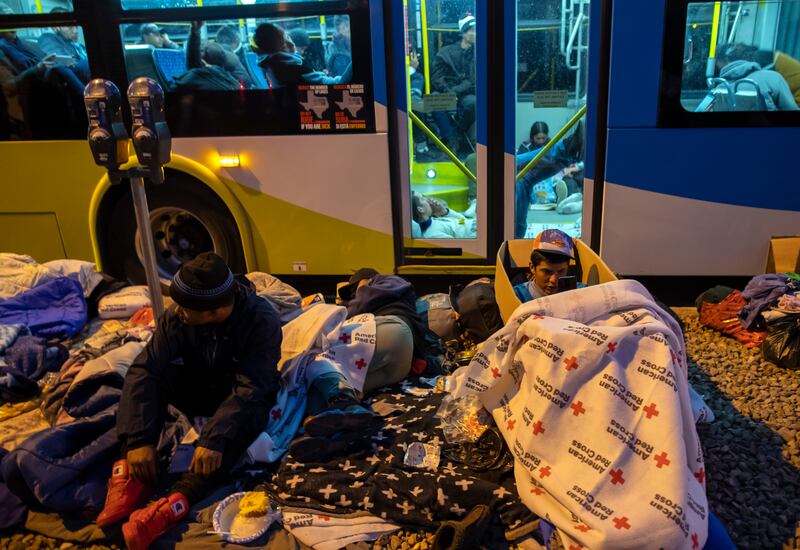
(765, 314)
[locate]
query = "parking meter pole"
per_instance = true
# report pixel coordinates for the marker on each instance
(148, 248)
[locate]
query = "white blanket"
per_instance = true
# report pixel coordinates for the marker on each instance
(20, 273)
(590, 390)
(319, 341)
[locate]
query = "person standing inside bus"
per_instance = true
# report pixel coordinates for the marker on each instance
(453, 71)
(214, 354)
(63, 41)
(282, 65)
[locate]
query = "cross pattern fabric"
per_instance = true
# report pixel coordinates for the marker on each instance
(319, 341)
(377, 481)
(590, 391)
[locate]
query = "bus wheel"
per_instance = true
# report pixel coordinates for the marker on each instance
(186, 219)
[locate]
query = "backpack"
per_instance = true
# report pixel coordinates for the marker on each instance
(478, 313)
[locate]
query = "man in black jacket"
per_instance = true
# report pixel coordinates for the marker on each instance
(215, 354)
(453, 71)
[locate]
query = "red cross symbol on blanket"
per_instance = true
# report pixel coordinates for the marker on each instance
(650, 411)
(544, 471)
(361, 364)
(344, 338)
(674, 357)
(662, 460)
(276, 414)
(695, 541)
(701, 475)
(536, 317)
(538, 428)
(536, 491)
(612, 347)
(325, 518)
(577, 408)
(571, 363)
(573, 547)
(616, 476)
(496, 372)
(582, 527)
(621, 523)
(510, 424)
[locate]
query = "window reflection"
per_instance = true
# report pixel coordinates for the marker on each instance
(742, 56)
(225, 55)
(27, 7)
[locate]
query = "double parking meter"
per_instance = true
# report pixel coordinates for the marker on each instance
(107, 136)
(108, 141)
(149, 133)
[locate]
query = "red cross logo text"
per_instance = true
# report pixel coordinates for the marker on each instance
(616, 476)
(621, 523)
(661, 460)
(650, 411)
(577, 408)
(571, 363)
(344, 338)
(538, 428)
(361, 364)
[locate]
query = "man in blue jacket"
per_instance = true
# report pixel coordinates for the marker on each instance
(214, 354)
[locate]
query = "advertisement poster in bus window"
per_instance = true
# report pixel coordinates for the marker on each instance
(349, 106)
(315, 107)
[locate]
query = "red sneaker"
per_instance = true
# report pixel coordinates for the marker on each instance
(125, 494)
(149, 523)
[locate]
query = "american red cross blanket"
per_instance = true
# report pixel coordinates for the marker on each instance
(590, 390)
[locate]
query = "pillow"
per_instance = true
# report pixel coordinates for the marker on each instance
(789, 69)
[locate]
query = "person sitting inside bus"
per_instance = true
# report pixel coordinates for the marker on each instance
(282, 64)
(453, 71)
(313, 51)
(340, 54)
(435, 220)
(215, 354)
(734, 67)
(552, 251)
(539, 137)
(213, 66)
(63, 41)
(154, 36)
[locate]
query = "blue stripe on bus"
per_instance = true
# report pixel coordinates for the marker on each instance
(481, 56)
(637, 28)
(397, 18)
(378, 51)
(510, 75)
(738, 166)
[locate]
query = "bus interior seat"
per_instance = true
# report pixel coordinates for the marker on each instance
(749, 96)
(140, 61)
(171, 62)
(255, 71)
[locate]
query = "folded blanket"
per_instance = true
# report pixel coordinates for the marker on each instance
(20, 273)
(590, 390)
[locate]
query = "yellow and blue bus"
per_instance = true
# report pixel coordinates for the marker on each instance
(321, 177)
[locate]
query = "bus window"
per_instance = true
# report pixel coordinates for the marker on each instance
(441, 72)
(240, 54)
(165, 4)
(552, 46)
(26, 7)
(741, 56)
(42, 75)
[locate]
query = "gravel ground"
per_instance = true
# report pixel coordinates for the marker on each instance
(752, 451)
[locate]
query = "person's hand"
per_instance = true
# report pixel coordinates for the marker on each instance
(46, 62)
(143, 463)
(413, 60)
(571, 170)
(197, 25)
(438, 208)
(205, 461)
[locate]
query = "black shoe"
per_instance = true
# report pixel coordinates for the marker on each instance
(467, 533)
(344, 415)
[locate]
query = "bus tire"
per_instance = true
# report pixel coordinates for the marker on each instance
(187, 218)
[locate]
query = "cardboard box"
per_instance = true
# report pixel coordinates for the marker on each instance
(784, 255)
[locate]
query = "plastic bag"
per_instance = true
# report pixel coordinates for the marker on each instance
(782, 345)
(463, 419)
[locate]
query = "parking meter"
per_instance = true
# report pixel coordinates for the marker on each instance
(107, 136)
(150, 134)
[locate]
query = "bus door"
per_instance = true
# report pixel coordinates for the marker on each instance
(547, 83)
(440, 64)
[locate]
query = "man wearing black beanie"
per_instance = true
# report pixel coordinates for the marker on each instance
(214, 354)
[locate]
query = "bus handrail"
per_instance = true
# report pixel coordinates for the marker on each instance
(428, 132)
(426, 68)
(550, 144)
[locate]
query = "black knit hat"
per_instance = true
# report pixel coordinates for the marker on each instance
(203, 284)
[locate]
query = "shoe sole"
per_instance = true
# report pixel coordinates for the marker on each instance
(329, 424)
(129, 536)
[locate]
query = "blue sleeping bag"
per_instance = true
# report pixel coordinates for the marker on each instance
(55, 309)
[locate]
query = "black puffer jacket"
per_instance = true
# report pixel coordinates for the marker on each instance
(237, 360)
(453, 70)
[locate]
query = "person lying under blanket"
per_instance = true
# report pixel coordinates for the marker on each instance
(214, 354)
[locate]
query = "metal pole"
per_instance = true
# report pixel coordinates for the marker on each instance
(148, 249)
